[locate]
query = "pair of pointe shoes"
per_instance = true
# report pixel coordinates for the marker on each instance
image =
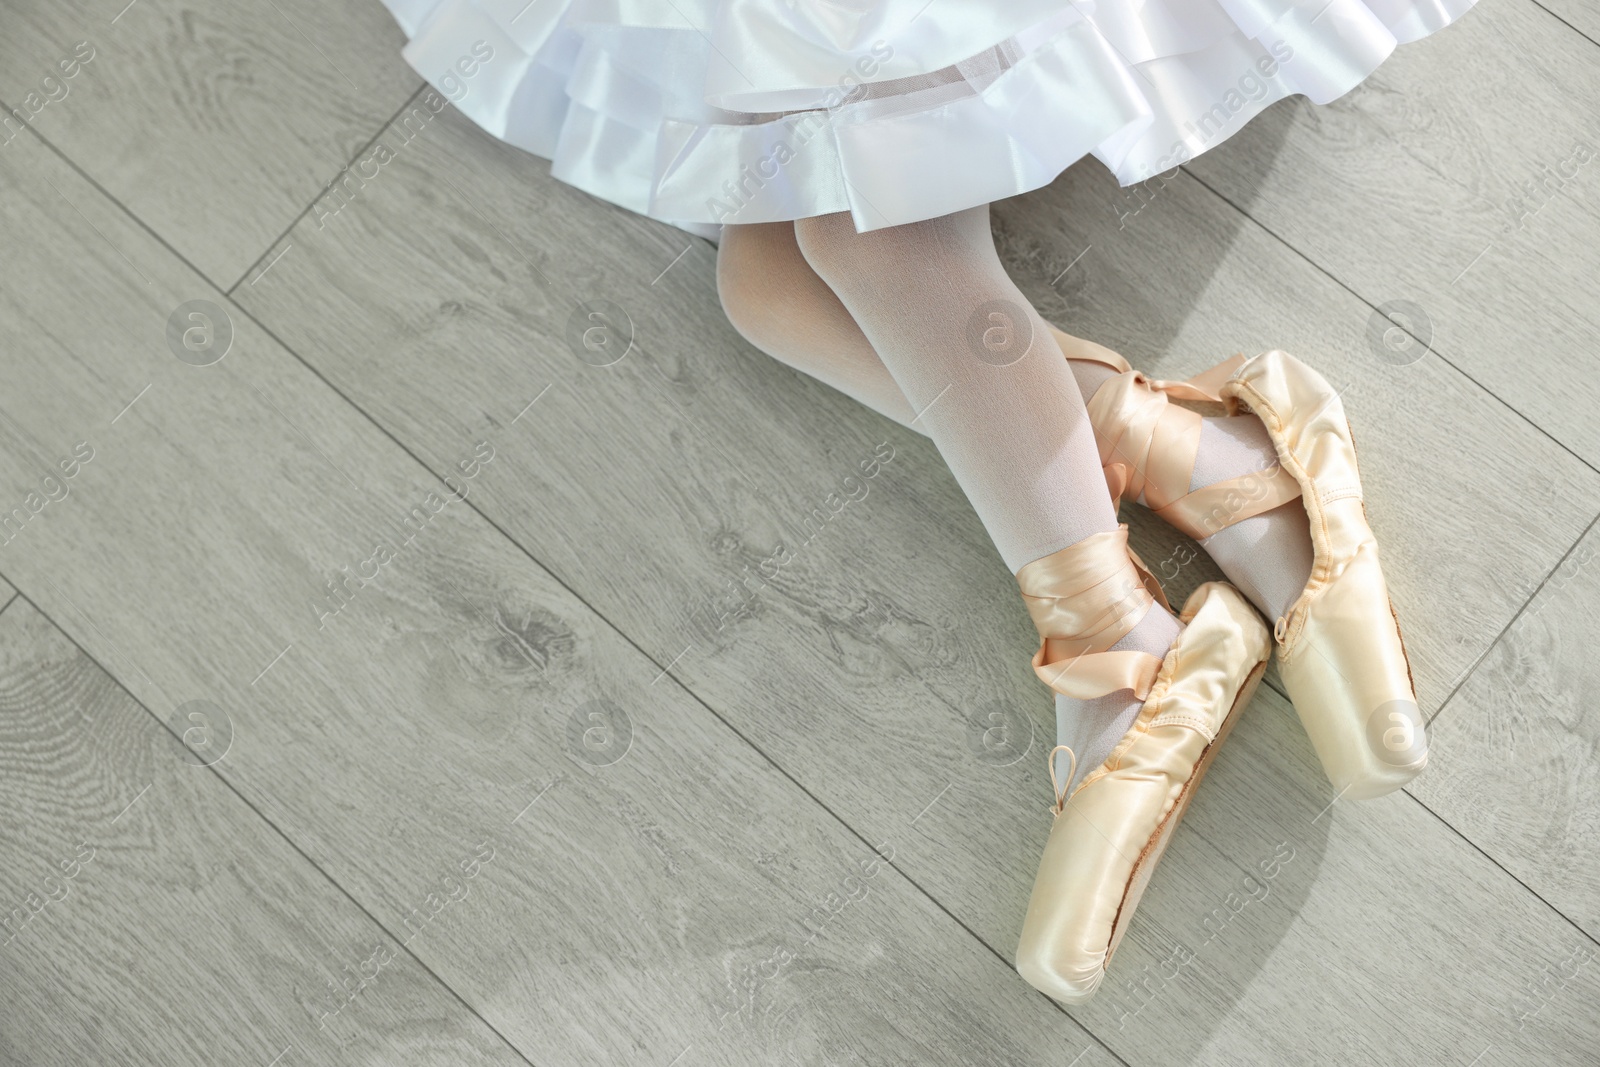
(1339, 648)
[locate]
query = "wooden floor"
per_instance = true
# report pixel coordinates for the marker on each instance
(382, 683)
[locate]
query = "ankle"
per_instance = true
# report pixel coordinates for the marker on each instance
(1155, 633)
(1231, 447)
(1090, 376)
(1267, 556)
(1092, 728)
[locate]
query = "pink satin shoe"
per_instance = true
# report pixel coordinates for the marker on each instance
(1109, 834)
(1339, 647)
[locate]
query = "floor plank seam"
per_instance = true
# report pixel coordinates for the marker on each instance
(400, 942)
(1538, 4)
(1432, 348)
(1236, 208)
(158, 238)
(1500, 866)
(625, 636)
(360, 152)
(1522, 609)
(1454, 830)
(137, 221)
(521, 549)
(404, 942)
(695, 696)
(161, 240)
(1522, 680)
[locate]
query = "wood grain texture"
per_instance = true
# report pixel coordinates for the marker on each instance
(216, 124)
(152, 917)
(877, 653)
(1416, 188)
(1285, 925)
(1516, 768)
(1448, 473)
(413, 701)
(1231, 289)
(1578, 14)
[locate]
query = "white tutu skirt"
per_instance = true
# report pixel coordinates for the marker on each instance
(704, 112)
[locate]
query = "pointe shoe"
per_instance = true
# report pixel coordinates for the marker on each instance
(1340, 653)
(1110, 833)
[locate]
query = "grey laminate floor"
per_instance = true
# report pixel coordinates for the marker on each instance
(391, 689)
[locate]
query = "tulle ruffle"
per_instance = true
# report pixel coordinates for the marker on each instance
(703, 112)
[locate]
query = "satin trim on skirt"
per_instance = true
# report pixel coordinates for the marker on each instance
(705, 112)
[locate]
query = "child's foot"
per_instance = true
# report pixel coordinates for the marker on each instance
(1111, 825)
(1339, 649)
(1092, 726)
(1267, 555)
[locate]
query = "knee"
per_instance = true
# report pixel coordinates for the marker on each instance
(827, 243)
(763, 282)
(739, 269)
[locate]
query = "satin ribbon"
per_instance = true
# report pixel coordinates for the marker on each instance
(1148, 446)
(1083, 600)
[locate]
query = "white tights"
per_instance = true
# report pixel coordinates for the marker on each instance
(922, 322)
(783, 307)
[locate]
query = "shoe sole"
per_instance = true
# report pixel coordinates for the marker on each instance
(1403, 776)
(1399, 777)
(1145, 866)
